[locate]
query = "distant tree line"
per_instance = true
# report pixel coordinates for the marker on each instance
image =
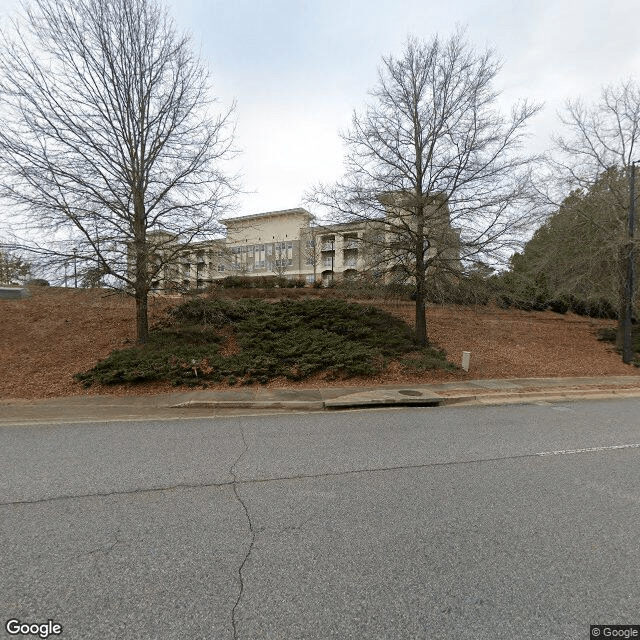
(574, 257)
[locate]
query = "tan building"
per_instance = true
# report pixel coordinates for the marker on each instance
(284, 243)
(269, 244)
(287, 243)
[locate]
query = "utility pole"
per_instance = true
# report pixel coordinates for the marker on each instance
(627, 344)
(75, 267)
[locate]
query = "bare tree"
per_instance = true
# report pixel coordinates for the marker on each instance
(432, 167)
(309, 248)
(13, 268)
(601, 145)
(110, 146)
(599, 137)
(281, 258)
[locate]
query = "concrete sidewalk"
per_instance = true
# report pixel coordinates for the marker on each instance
(202, 403)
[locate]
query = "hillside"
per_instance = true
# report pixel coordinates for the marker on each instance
(56, 333)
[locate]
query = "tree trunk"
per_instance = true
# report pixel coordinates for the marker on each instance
(141, 286)
(142, 319)
(421, 318)
(141, 290)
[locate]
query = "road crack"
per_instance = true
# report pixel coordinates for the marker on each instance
(315, 476)
(109, 546)
(234, 487)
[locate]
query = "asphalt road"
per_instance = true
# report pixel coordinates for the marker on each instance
(474, 522)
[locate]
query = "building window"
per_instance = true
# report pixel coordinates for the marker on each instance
(327, 243)
(351, 242)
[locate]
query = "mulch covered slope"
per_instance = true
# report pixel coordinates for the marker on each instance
(55, 333)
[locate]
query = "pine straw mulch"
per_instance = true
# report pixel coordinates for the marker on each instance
(55, 333)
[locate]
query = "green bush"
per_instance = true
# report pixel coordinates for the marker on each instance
(593, 308)
(292, 338)
(266, 282)
(609, 334)
(238, 282)
(559, 305)
(505, 301)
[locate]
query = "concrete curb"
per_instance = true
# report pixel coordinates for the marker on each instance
(186, 404)
(387, 398)
(309, 405)
(393, 398)
(524, 397)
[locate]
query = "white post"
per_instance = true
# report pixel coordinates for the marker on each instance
(466, 359)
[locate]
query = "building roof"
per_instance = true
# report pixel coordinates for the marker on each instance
(299, 211)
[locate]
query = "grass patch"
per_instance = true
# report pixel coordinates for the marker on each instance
(291, 338)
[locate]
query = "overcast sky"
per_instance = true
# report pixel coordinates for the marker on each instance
(298, 68)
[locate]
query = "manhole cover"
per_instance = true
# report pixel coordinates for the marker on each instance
(409, 392)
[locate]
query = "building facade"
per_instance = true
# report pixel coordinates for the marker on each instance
(287, 243)
(284, 243)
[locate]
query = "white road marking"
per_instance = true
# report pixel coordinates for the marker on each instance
(564, 452)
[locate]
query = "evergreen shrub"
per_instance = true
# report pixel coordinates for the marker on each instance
(291, 338)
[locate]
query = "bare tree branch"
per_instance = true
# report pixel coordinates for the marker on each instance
(592, 162)
(432, 168)
(109, 136)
